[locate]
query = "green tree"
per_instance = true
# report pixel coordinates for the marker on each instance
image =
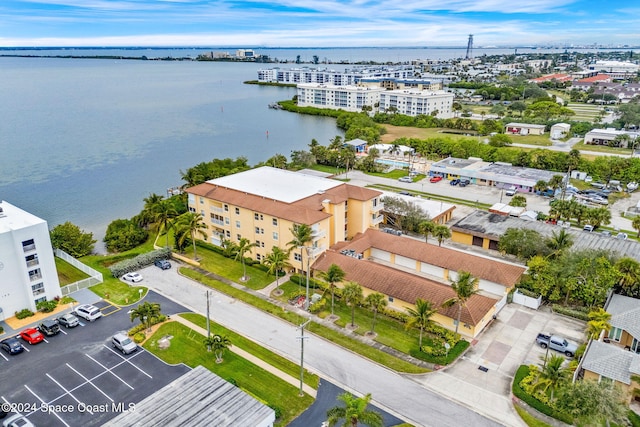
(518, 201)
(500, 140)
(188, 225)
(558, 242)
(629, 283)
(71, 239)
(218, 344)
(353, 296)
(593, 403)
(147, 215)
(522, 243)
(426, 228)
(354, 412)
(635, 223)
(124, 234)
(465, 287)
(276, 261)
(552, 376)
(163, 212)
(441, 233)
(376, 302)
(332, 276)
(302, 234)
(244, 246)
(420, 317)
(598, 321)
(146, 312)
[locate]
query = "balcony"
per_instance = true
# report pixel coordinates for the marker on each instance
(217, 221)
(29, 248)
(377, 208)
(315, 251)
(35, 277)
(377, 220)
(317, 233)
(32, 262)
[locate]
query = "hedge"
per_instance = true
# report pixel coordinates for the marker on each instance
(24, 313)
(521, 373)
(577, 314)
(140, 261)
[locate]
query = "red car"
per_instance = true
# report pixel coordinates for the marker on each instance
(32, 336)
(436, 179)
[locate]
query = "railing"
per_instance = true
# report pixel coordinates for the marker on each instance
(376, 208)
(32, 263)
(377, 220)
(35, 277)
(96, 276)
(29, 248)
(80, 284)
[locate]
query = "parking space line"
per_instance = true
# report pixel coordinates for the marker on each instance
(4, 357)
(45, 403)
(25, 348)
(88, 381)
(63, 332)
(67, 391)
(45, 340)
(128, 359)
(109, 370)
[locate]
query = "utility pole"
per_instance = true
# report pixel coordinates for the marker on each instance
(302, 338)
(306, 299)
(208, 324)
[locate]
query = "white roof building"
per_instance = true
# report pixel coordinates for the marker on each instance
(28, 272)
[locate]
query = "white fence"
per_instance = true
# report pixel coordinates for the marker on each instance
(96, 276)
(530, 302)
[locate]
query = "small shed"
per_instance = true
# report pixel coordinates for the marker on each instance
(560, 130)
(359, 145)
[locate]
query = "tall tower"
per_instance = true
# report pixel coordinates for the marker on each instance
(469, 47)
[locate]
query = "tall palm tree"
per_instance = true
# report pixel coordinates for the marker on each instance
(598, 322)
(376, 302)
(629, 270)
(354, 412)
(145, 312)
(164, 211)
(244, 246)
(188, 225)
(635, 223)
(276, 261)
(148, 213)
(560, 241)
(352, 294)
(441, 232)
(426, 228)
(302, 234)
(552, 375)
(218, 344)
(420, 316)
(332, 276)
(465, 287)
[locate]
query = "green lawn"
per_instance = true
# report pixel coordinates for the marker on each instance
(541, 140)
(602, 149)
(251, 347)
(187, 347)
(67, 273)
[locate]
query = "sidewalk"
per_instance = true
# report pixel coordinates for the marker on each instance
(251, 358)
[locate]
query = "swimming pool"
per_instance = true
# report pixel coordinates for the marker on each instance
(395, 163)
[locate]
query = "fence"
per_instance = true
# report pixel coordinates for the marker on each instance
(522, 299)
(96, 276)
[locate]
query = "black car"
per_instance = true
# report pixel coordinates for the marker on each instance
(454, 182)
(163, 264)
(49, 327)
(11, 345)
(464, 182)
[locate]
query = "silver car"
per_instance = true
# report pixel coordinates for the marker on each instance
(123, 343)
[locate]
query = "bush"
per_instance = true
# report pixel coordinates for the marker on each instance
(575, 313)
(140, 261)
(277, 410)
(124, 234)
(634, 419)
(66, 300)
(141, 327)
(47, 306)
(24, 313)
(522, 372)
(1, 330)
(139, 337)
(72, 240)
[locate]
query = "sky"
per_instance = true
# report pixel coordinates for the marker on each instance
(318, 23)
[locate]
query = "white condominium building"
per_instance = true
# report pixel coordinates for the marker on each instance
(333, 77)
(28, 272)
(347, 98)
(417, 102)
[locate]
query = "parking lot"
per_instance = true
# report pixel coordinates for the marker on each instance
(77, 378)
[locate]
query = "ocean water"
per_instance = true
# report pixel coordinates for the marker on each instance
(85, 140)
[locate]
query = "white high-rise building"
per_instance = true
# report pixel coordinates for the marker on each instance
(28, 272)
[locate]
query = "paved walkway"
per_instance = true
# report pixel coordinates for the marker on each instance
(251, 358)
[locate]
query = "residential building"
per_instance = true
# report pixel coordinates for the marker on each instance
(409, 84)
(416, 102)
(265, 204)
(28, 272)
(616, 69)
(608, 137)
(438, 211)
(347, 98)
(347, 77)
(525, 129)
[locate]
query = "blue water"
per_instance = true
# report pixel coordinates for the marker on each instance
(86, 140)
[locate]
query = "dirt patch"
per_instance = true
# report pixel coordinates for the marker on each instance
(395, 132)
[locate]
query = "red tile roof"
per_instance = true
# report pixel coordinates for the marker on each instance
(561, 77)
(596, 78)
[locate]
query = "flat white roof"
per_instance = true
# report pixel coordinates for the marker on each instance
(276, 184)
(14, 218)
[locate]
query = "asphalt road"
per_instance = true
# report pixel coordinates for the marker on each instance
(394, 393)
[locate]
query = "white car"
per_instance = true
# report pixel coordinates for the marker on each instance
(88, 312)
(405, 179)
(133, 277)
(17, 420)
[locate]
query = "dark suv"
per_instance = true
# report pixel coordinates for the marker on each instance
(49, 327)
(163, 264)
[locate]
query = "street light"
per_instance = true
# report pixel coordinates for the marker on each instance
(302, 338)
(306, 299)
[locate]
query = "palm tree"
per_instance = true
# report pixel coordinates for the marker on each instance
(352, 294)
(635, 223)
(629, 270)
(333, 275)
(148, 213)
(598, 322)
(244, 246)
(552, 375)
(559, 242)
(146, 312)
(218, 344)
(376, 302)
(164, 211)
(276, 261)
(441, 232)
(354, 412)
(187, 225)
(420, 317)
(302, 234)
(465, 287)
(426, 228)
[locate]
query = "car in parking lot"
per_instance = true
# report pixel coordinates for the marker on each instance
(588, 228)
(11, 345)
(122, 342)
(32, 336)
(133, 277)
(49, 327)
(405, 179)
(88, 312)
(162, 263)
(454, 182)
(68, 320)
(435, 179)
(17, 420)
(464, 182)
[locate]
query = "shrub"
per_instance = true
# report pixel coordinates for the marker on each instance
(1, 330)
(522, 373)
(528, 293)
(139, 337)
(277, 410)
(24, 313)
(138, 262)
(71, 239)
(141, 327)
(571, 312)
(124, 234)
(66, 300)
(47, 306)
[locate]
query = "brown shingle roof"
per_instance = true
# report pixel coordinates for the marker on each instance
(405, 286)
(450, 259)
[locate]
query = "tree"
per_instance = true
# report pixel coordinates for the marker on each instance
(354, 412)
(71, 239)
(635, 223)
(426, 228)
(629, 283)
(500, 140)
(163, 213)
(218, 344)
(560, 241)
(522, 243)
(598, 322)
(124, 234)
(518, 201)
(376, 302)
(420, 317)
(147, 214)
(465, 287)
(188, 225)
(276, 261)
(146, 312)
(302, 234)
(332, 276)
(441, 233)
(244, 246)
(593, 403)
(352, 294)
(552, 375)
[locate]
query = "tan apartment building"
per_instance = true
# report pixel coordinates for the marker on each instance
(265, 204)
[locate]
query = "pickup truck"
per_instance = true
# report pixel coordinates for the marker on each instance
(557, 343)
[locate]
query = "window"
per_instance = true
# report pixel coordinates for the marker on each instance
(41, 300)
(35, 274)
(297, 257)
(615, 334)
(226, 208)
(258, 257)
(259, 230)
(202, 200)
(390, 299)
(237, 211)
(275, 235)
(32, 260)
(258, 217)
(28, 245)
(274, 221)
(228, 234)
(237, 224)
(226, 220)
(37, 289)
(238, 236)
